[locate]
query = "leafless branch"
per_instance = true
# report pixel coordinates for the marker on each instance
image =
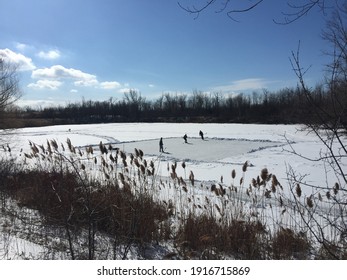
(299, 11)
(296, 11)
(194, 10)
(224, 7)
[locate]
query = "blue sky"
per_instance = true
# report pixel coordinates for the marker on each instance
(97, 49)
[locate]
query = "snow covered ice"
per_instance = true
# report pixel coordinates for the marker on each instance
(225, 147)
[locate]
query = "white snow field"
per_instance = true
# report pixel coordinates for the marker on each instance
(224, 148)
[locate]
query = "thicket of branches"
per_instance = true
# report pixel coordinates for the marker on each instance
(9, 90)
(295, 9)
(285, 106)
(329, 125)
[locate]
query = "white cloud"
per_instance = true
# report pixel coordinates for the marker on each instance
(124, 90)
(24, 63)
(74, 91)
(151, 85)
(21, 46)
(46, 84)
(240, 85)
(86, 82)
(58, 72)
(50, 78)
(39, 104)
(50, 55)
(110, 85)
(127, 90)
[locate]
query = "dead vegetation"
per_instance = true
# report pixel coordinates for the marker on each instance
(105, 202)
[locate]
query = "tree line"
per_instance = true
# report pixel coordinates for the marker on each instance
(289, 105)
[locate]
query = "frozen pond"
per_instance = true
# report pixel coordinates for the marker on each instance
(209, 149)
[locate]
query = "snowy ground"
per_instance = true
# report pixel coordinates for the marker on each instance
(225, 147)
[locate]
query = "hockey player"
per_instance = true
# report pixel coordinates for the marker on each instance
(161, 145)
(185, 138)
(201, 134)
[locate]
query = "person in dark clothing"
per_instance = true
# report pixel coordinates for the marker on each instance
(201, 134)
(185, 138)
(161, 145)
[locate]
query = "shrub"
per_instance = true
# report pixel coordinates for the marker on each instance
(69, 197)
(286, 244)
(242, 239)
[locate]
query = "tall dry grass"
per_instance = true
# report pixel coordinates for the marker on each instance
(105, 202)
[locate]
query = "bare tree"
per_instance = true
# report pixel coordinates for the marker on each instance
(9, 88)
(328, 121)
(336, 35)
